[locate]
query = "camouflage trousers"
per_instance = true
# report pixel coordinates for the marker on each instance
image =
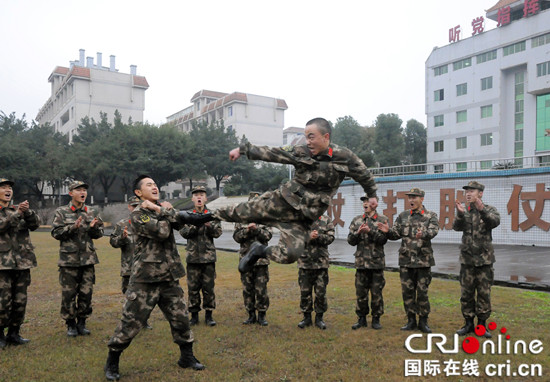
(200, 277)
(369, 280)
(255, 288)
(13, 296)
(476, 279)
(141, 299)
(310, 280)
(273, 210)
(77, 286)
(125, 283)
(414, 287)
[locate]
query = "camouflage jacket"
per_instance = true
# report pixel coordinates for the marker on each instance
(246, 237)
(16, 249)
(316, 254)
(200, 241)
(317, 178)
(126, 245)
(477, 241)
(76, 247)
(415, 253)
(370, 245)
(156, 256)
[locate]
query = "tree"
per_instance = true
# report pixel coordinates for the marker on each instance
(348, 133)
(266, 177)
(389, 145)
(415, 142)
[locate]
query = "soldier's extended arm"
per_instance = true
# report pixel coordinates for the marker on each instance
(214, 229)
(189, 231)
(144, 223)
(353, 236)
(432, 229)
(361, 174)
(32, 220)
(60, 229)
(116, 240)
(490, 216)
(267, 154)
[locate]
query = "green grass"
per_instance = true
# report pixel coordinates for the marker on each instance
(234, 352)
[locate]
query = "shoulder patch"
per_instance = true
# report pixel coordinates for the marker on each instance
(144, 218)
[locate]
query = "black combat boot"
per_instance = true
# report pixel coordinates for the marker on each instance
(306, 321)
(319, 321)
(257, 251)
(14, 338)
(194, 318)
(361, 323)
(483, 323)
(251, 318)
(411, 323)
(81, 327)
(376, 323)
(208, 318)
(111, 366)
(186, 217)
(187, 359)
(467, 328)
(3, 342)
(72, 331)
(423, 324)
(261, 319)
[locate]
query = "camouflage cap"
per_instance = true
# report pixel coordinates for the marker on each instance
(474, 185)
(415, 191)
(134, 201)
(4, 180)
(198, 189)
(76, 184)
(253, 194)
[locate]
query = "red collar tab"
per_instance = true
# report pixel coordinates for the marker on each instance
(364, 216)
(130, 221)
(203, 212)
(330, 152)
(468, 208)
(421, 212)
(73, 208)
(375, 216)
(319, 217)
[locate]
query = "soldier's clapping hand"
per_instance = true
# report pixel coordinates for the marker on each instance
(235, 154)
(383, 227)
(314, 234)
(479, 204)
(77, 223)
(166, 204)
(364, 228)
(419, 234)
(459, 206)
(23, 206)
(252, 226)
(150, 206)
(125, 233)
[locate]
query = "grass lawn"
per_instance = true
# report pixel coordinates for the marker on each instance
(279, 352)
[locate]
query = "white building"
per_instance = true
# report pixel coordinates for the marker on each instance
(293, 136)
(488, 95)
(259, 118)
(85, 89)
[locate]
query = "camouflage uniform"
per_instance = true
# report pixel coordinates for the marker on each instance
(126, 246)
(476, 259)
(154, 279)
(201, 263)
(313, 266)
(77, 257)
(16, 259)
(298, 203)
(415, 257)
(254, 282)
(369, 264)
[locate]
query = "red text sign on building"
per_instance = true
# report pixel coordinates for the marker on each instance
(530, 7)
(454, 34)
(478, 25)
(503, 16)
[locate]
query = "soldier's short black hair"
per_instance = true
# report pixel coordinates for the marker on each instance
(137, 182)
(322, 124)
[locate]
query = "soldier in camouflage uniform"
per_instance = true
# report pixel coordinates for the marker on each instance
(154, 278)
(416, 228)
(255, 281)
(476, 220)
(313, 272)
(75, 225)
(320, 168)
(16, 259)
(201, 260)
(369, 263)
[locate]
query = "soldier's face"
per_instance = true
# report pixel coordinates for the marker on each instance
(148, 190)
(79, 195)
(199, 199)
(415, 201)
(315, 140)
(6, 193)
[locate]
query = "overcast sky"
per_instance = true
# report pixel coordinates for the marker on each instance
(325, 58)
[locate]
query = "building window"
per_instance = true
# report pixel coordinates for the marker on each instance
(487, 83)
(230, 111)
(461, 89)
(439, 95)
(514, 48)
(230, 128)
(543, 123)
(461, 116)
(487, 56)
(540, 40)
(439, 120)
(440, 70)
(486, 164)
(465, 63)
(519, 96)
(438, 146)
(487, 139)
(544, 160)
(462, 166)
(461, 143)
(486, 111)
(543, 69)
(438, 168)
